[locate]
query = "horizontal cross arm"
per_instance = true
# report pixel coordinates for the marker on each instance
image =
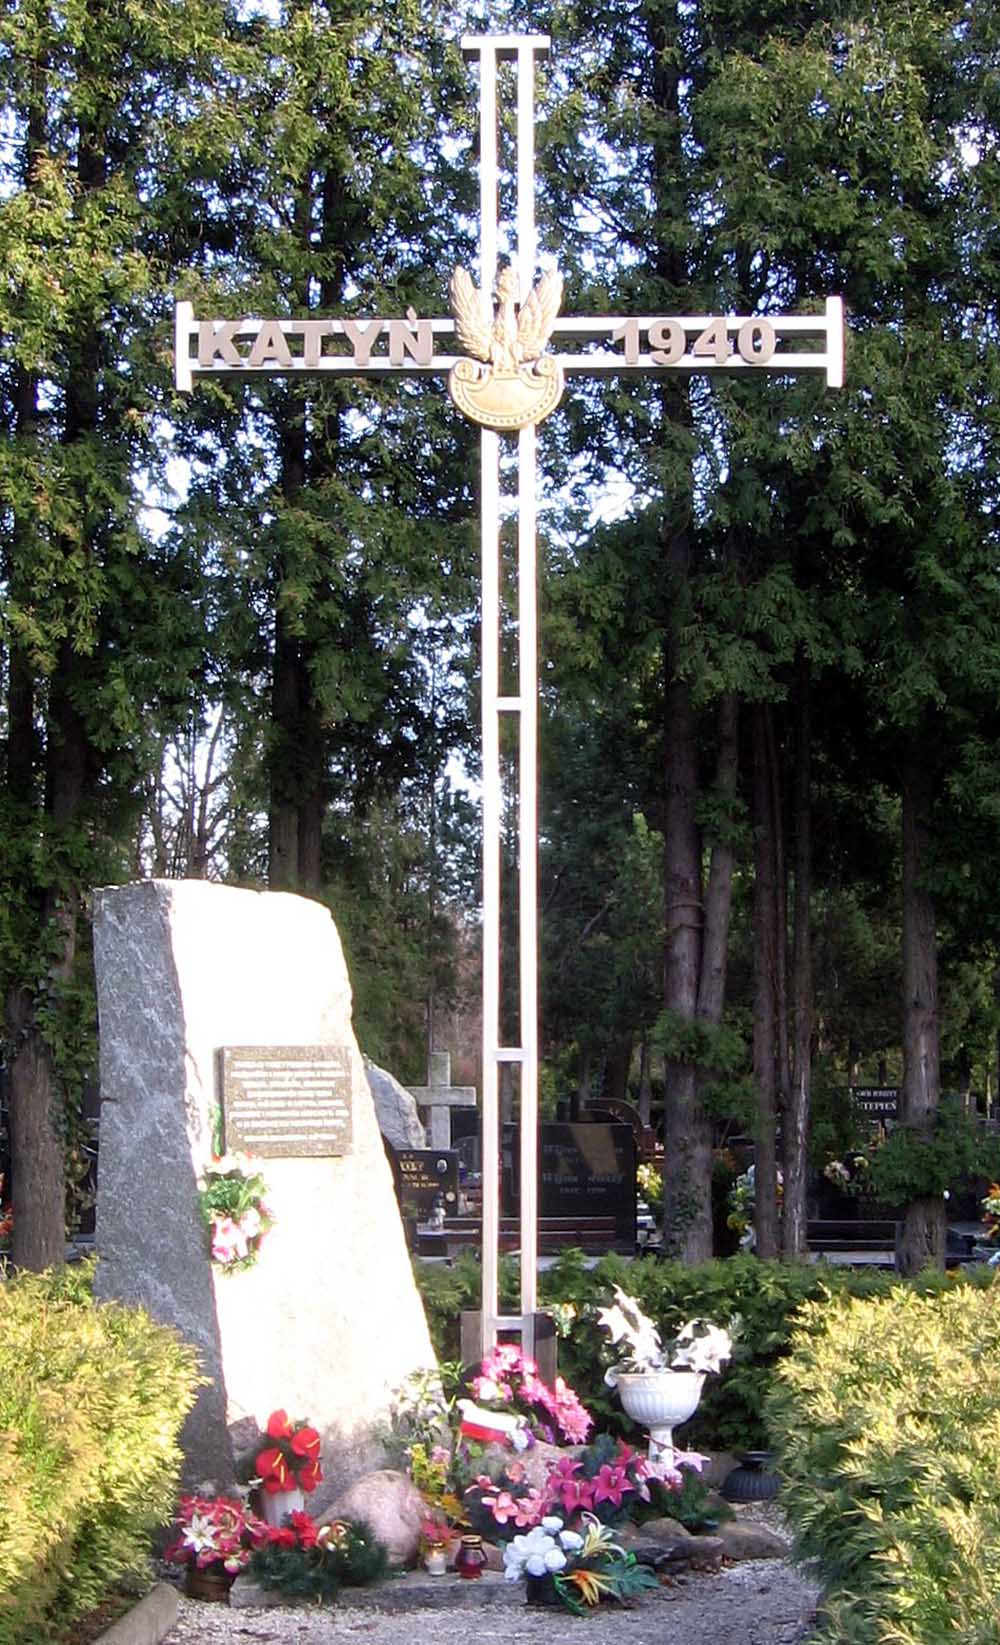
(371, 345)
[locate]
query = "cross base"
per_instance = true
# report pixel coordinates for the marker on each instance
(546, 1346)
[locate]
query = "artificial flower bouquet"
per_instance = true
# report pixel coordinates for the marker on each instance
(991, 1211)
(511, 1404)
(584, 1566)
(607, 1480)
(288, 1460)
(232, 1195)
(306, 1560)
(698, 1345)
(215, 1533)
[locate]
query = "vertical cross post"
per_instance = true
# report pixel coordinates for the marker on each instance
(523, 704)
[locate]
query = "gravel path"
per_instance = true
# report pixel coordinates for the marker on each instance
(762, 1602)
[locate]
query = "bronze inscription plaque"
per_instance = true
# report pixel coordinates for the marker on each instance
(287, 1100)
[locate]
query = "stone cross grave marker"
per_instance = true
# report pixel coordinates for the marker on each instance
(439, 1097)
(504, 380)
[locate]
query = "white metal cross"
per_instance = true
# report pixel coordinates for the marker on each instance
(253, 347)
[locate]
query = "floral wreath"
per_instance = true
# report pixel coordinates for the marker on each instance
(233, 1208)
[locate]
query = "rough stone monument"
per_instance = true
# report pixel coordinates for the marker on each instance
(395, 1108)
(193, 978)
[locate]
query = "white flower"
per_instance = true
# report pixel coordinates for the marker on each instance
(626, 1322)
(199, 1534)
(551, 1524)
(536, 1553)
(571, 1541)
(702, 1347)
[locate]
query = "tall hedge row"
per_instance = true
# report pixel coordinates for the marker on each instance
(92, 1397)
(763, 1297)
(887, 1418)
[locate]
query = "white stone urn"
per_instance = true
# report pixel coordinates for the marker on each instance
(661, 1401)
(275, 1506)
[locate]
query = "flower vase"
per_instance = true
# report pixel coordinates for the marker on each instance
(661, 1401)
(275, 1506)
(209, 1582)
(540, 1590)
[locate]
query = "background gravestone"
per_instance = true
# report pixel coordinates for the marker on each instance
(585, 1169)
(329, 1321)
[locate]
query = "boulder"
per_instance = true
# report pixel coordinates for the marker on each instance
(747, 1539)
(390, 1503)
(395, 1109)
(679, 1547)
(536, 1461)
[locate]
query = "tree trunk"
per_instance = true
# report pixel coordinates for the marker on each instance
(687, 1160)
(922, 1239)
(719, 891)
(765, 962)
(616, 1068)
(37, 1182)
(796, 1127)
(645, 1083)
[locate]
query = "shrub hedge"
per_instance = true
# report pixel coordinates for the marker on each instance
(92, 1397)
(765, 1296)
(887, 1417)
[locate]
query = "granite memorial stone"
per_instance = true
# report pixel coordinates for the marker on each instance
(328, 1321)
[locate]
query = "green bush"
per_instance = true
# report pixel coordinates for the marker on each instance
(887, 1416)
(91, 1401)
(764, 1295)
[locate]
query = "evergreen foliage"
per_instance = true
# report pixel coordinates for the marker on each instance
(887, 1416)
(764, 1298)
(91, 1402)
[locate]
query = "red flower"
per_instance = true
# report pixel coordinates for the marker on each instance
(278, 1425)
(305, 1443)
(304, 1528)
(309, 1476)
(273, 1470)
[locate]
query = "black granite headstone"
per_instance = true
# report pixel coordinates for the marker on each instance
(423, 1175)
(584, 1170)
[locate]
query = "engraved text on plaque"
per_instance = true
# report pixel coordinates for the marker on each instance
(287, 1100)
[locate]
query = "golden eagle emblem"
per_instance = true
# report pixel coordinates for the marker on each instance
(515, 385)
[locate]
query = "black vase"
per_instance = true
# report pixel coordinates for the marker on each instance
(752, 1481)
(541, 1590)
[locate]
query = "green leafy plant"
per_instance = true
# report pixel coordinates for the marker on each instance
(919, 1162)
(92, 1398)
(764, 1296)
(689, 1503)
(886, 1415)
(306, 1560)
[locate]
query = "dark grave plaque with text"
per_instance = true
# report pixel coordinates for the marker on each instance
(876, 1102)
(585, 1170)
(424, 1174)
(287, 1100)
